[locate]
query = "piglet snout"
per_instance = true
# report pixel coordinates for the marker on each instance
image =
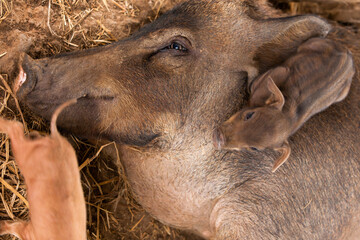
(218, 139)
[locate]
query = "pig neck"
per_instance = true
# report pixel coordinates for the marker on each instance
(285, 128)
(297, 110)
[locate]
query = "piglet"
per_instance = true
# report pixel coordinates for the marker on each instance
(54, 192)
(284, 98)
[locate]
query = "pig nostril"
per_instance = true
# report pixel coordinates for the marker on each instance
(20, 80)
(27, 79)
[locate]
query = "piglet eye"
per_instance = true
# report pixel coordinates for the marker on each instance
(176, 46)
(248, 116)
(253, 148)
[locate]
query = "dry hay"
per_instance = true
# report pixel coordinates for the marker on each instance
(346, 12)
(68, 25)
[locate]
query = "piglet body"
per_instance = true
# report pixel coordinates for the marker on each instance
(54, 192)
(284, 98)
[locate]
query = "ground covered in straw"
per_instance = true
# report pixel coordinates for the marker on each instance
(43, 28)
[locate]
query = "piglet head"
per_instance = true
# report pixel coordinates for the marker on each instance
(256, 127)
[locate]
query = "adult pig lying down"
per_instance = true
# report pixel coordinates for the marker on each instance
(165, 89)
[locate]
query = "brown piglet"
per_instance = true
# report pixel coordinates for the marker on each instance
(284, 98)
(54, 192)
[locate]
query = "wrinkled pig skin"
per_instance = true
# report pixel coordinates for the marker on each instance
(166, 88)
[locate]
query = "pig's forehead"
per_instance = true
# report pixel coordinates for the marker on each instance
(199, 15)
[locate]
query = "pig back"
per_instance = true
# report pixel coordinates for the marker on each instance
(320, 74)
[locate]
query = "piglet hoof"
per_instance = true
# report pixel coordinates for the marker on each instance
(20, 229)
(285, 153)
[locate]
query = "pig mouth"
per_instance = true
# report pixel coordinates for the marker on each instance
(100, 97)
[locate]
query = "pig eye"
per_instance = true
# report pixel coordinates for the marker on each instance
(176, 46)
(248, 116)
(254, 148)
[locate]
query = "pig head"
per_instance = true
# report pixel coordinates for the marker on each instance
(167, 87)
(190, 63)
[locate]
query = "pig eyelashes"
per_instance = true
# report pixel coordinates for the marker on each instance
(176, 46)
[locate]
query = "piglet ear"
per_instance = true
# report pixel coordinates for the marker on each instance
(276, 98)
(265, 92)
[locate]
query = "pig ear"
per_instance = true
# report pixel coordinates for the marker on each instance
(279, 38)
(275, 98)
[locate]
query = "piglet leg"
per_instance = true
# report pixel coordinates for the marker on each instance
(285, 153)
(20, 229)
(56, 201)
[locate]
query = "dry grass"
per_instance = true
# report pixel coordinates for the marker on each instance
(86, 24)
(13, 193)
(73, 25)
(343, 11)
(5, 9)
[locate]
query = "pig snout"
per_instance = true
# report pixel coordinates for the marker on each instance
(25, 82)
